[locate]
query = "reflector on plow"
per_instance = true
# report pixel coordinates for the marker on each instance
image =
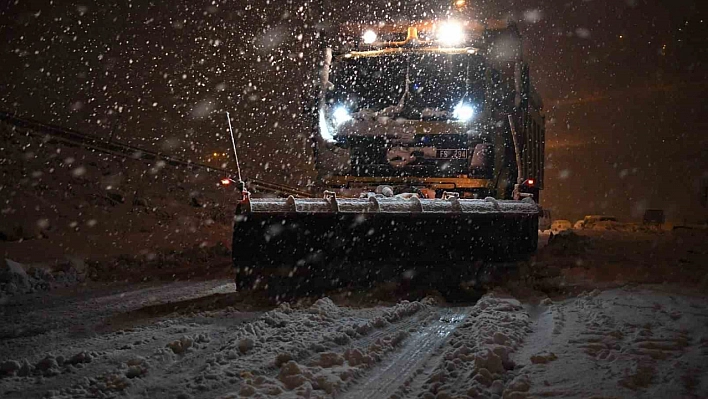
(329, 241)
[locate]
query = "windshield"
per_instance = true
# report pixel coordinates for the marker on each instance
(436, 82)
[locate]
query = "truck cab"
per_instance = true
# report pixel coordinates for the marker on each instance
(428, 107)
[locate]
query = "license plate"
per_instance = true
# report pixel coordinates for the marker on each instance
(451, 154)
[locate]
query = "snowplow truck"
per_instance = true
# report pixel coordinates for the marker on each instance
(428, 141)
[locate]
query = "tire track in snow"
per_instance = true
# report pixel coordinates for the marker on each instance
(384, 380)
(318, 361)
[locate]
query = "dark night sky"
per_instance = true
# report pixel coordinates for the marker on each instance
(624, 83)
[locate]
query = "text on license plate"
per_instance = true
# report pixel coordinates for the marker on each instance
(451, 154)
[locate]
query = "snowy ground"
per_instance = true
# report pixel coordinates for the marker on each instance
(544, 329)
(613, 313)
(625, 342)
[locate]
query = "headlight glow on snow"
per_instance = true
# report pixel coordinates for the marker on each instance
(340, 115)
(369, 37)
(463, 112)
(451, 33)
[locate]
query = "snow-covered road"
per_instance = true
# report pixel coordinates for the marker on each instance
(69, 313)
(207, 342)
(629, 342)
(622, 320)
(316, 350)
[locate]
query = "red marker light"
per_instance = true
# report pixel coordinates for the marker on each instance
(225, 182)
(530, 182)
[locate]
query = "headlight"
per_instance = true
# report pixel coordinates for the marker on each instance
(340, 115)
(369, 37)
(463, 112)
(451, 33)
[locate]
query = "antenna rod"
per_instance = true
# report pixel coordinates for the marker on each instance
(233, 141)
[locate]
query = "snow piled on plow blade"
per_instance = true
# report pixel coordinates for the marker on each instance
(389, 205)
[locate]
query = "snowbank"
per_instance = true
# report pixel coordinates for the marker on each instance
(17, 278)
(476, 359)
(567, 242)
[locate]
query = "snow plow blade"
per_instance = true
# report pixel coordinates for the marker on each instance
(284, 244)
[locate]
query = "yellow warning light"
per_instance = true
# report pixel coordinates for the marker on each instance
(216, 154)
(451, 33)
(460, 3)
